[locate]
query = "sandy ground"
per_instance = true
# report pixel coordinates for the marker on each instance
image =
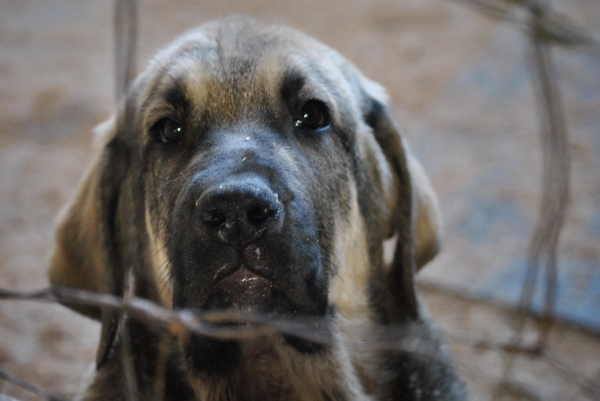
(459, 86)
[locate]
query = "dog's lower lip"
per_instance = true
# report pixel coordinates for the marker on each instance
(242, 290)
(244, 275)
(241, 275)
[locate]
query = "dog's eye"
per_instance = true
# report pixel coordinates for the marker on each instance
(313, 115)
(168, 131)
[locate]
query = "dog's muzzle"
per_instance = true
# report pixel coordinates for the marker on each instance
(234, 215)
(244, 238)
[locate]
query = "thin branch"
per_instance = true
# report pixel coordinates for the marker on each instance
(555, 190)
(125, 31)
(411, 338)
(223, 325)
(30, 387)
(125, 344)
(251, 325)
(551, 26)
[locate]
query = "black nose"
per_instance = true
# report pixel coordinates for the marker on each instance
(239, 213)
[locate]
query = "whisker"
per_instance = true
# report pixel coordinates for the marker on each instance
(167, 281)
(166, 261)
(164, 270)
(160, 249)
(166, 276)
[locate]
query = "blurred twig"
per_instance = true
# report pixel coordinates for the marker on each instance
(549, 25)
(226, 325)
(208, 324)
(125, 27)
(125, 344)
(555, 189)
(251, 325)
(125, 31)
(30, 387)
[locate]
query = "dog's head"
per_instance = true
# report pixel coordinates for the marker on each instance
(252, 168)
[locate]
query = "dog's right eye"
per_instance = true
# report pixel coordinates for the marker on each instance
(168, 131)
(313, 115)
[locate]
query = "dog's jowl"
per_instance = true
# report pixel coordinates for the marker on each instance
(253, 170)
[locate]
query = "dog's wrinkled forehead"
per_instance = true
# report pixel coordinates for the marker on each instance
(238, 69)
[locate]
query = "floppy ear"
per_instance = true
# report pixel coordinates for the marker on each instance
(85, 254)
(428, 224)
(415, 217)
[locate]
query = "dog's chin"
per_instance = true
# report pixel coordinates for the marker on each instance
(244, 291)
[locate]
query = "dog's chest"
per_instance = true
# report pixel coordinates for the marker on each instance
(264, 375)
(273, 371)
(259, 376)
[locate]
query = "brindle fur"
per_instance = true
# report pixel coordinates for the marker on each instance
(234, 84)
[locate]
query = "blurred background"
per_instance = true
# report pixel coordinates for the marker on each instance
(461, 86)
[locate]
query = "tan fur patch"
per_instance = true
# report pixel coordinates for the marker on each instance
(348, 287)
(348, 293)
(157, 254)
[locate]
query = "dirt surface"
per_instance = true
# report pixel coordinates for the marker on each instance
(459, 85)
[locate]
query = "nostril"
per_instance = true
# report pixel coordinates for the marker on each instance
(213, 218)
(238, 211)
(260, 214)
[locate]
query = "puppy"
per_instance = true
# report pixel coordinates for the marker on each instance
(253, 169)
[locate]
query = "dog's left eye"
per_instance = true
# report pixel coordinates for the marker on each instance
(313, 115)
(168, 131)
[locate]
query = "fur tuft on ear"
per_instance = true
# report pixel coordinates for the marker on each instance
(85, 254)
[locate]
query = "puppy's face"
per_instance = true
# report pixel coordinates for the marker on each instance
(249, 144)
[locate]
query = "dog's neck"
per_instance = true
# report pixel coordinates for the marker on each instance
(270, 369)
